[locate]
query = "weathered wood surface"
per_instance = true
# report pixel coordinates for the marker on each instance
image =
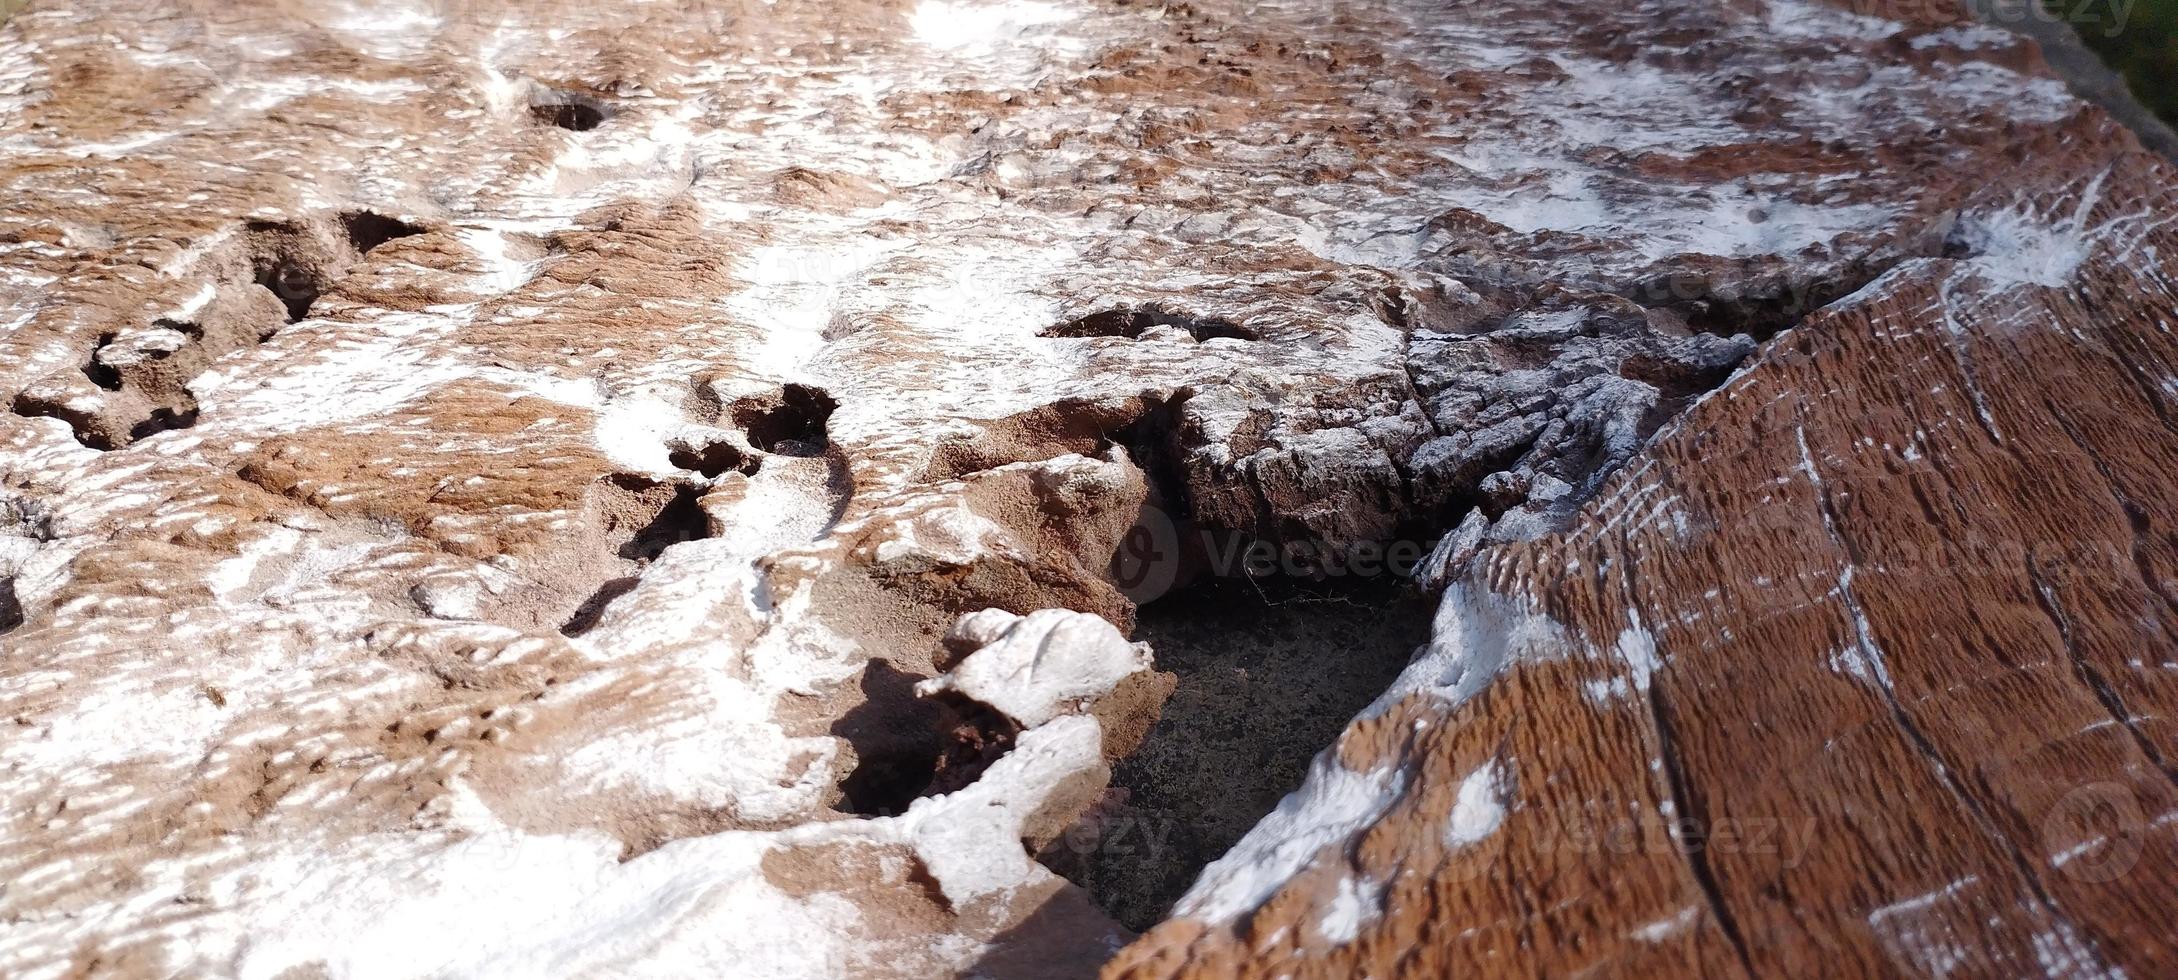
(1865, 669)
(493, 489)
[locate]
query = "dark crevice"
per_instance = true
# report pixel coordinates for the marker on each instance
(714, 460)
(839, 485)
(1133, 321)
(568, 115)
(146, 388)
(569, 110)
(1180, 538)
(295, 286)
(2092, 678)
(1414, 394)
(883, 784)
(2135, 515)
(1391, 305)
(631, 519)
(87, 427)
(974, 736)
(789, 422)
(368, 229)
(1487, 492)
(592, 609)
(24, 518)
(291, 263)
(1270, 671)
(908, 747)
(680, 519)
(11, 607)
(163, 419)
(1678, 382)
(1152, 441)
(100, 373)
(1689, 810)
(1760, 310)
(1900, 718)
(1962, 241)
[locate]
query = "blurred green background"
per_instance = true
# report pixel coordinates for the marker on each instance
(2137, 38)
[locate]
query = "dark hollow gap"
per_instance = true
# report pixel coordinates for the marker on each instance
(592, 609)
(1132, 321)
(839, 485)
(884, 783)
(791, 423)
(1271, 671)
(1760, 311)
(1964, 241)
(714, 460)
(681, 519)
(972, 737)
(1103, 323)
(907, 747)
(569, 111)
(1152, 441)
(629, 520)
(1676, 381)
(295, 286)
(11, 606)
(87, 427)
(887, 781)
(368, 229)
(99, 373)
(163, 419)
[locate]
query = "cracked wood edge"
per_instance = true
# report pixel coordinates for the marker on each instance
(1888, 620)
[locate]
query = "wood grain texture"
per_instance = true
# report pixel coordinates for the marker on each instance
(1908, 580)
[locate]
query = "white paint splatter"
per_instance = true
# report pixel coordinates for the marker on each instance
(1479, 807)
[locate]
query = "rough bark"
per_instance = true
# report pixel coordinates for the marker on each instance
(599, 489)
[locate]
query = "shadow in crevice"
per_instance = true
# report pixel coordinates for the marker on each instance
(369, 229)
(1271, 672)
(102, 374)
(632, 519)
(11, 607)
(1132, 322)
(908, 747)
(163, 418)
(713, 459)
(1065, 937)
(896, 743)
(142, 376)
(290, 263)
(572, 111)
(679, 519)
(789, 422)
(1763, 309)
(592, 609)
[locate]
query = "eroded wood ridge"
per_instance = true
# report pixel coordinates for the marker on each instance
(593, 489)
